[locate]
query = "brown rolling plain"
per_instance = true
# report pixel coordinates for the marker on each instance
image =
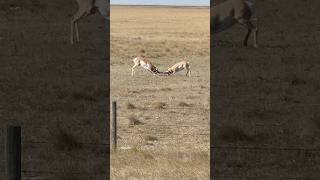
(163, 122)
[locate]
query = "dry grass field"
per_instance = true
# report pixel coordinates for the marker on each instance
(265, 121)
(163, 123)
(55, 91)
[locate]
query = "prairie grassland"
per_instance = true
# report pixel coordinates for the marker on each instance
(163, 124)
(267, 98)
(159, 32)
(55, 91)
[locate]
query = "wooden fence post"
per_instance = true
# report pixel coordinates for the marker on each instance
(114, 125)
(13, 151)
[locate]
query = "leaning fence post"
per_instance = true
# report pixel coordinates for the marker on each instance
(13, 153)
(114, 125)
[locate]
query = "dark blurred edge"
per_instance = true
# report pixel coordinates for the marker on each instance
(211, 94)
(108, 91)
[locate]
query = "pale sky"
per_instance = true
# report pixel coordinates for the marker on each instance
(163, 2)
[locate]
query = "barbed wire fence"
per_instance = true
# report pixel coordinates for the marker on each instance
(141, 129)
(204, 133)
(13, 148)
(276, 149)
(35, 143)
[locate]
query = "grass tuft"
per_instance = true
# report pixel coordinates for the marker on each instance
(184, 104)
(82, 96)
(130, 106)
(150, 138)
(64, 141)
(158, 105)
(233, 134)
(134, 121)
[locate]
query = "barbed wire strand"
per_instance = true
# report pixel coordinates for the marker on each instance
(265, 148)
(59, 172)
(46, 142)
(257, 177)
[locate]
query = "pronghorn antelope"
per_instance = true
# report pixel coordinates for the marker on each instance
(230, 12)
(179, 67)
(86, 8)
(140, 61)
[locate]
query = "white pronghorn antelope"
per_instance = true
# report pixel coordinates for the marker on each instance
(86, 8)
(140, 61)
(179, 67)
(230, 12)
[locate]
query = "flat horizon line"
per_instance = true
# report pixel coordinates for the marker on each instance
(157, 5)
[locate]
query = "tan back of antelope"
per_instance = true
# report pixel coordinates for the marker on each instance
(179, 67)
(230, 12)
(140, 61)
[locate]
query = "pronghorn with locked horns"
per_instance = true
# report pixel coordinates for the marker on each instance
(86, 8)
(230, 12)
(140, 61)
(179, 67)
